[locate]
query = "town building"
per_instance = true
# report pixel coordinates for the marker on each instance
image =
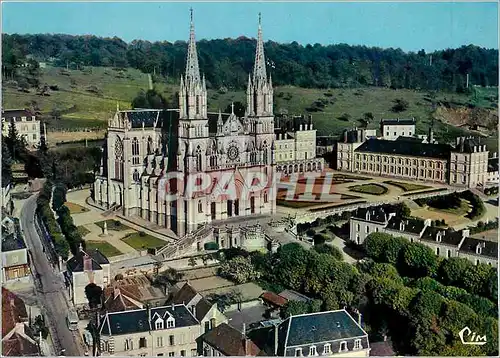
(295, 146)
(444, 242)
(138, 153)
(160, 331)
(85, 268)
(226, 341)
(18, 339)
(464, 164)
(391, 129)
(205, 312)
(15, 257)
(27, 125)
(493, 176)
(331, 334)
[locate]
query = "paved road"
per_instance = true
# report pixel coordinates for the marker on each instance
(50, 287)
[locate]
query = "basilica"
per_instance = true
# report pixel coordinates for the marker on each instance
(144, 145)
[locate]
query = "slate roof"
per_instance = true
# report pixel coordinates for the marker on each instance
(410, 139)
(76, 263)
(411, 225)
(466, 145)
(376, 214)
(119, 300)
(292, 295)
(136, 321)
(397, 121)
(273, 298)
(202, 308)
(470, 244)
(406, 148)
(492, 165)
(230, 342)
(11, 242)
(448, 236)
(15, 113)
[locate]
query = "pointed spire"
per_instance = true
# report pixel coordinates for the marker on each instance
(249, 88)
(192, 69)
(219, 119)
(232, 107)
(259, 69)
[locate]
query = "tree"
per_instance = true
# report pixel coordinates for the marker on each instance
(375, 245)
(368, 116)
(6, 164)
(330, 250)
(400, 105)
(150, 99)
(451, 271)
(292, 261)
(225, 300)
(239, 270)
(169, 277)
(293, 308)
(192, 261)
(15, 143)
(418, 260)
(93, 294)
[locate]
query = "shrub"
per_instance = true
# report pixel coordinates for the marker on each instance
(328, 249)
(320, 239)
(141, 233)
(400, 105)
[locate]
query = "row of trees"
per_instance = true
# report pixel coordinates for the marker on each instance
(402, 289)
(227, 62)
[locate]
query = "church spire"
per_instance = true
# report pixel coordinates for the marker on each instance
(259, 68)
(192, 68)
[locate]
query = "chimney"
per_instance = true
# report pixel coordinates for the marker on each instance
(359, 318)
(173, 306)
(465, 233)
(345, 136)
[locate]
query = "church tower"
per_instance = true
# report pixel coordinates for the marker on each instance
(260, 102)
(193, 135)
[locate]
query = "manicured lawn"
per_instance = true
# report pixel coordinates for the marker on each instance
(144, 241)
(459, 210)
(406, 186)
(83, 230)
(298, 204)
(113, 225)
(75, 208)
(373, 189)
(105, 247)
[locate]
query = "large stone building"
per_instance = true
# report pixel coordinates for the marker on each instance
(26, 124)
(142, 146)
(15, 258)
(391, 129)
(444, 242)
(295, 147)
(410, 158)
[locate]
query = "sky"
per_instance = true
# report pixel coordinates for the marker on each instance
(409, 26)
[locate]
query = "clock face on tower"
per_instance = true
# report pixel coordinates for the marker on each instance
(233, 152)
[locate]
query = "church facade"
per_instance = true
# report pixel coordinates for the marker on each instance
(144, 146)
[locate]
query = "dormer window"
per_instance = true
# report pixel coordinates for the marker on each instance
(313, 351)
(298, 352)
(159, 324)
(327, 349)
(170, 323)
(343, 346)
(357, 344)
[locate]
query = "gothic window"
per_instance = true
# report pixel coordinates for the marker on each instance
(136, 175)
(198, 158)
(150, 145)
(200, 206)
(197, 104)
(118, 159)
(135, 151)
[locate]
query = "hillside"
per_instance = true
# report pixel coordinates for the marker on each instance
(86, 99)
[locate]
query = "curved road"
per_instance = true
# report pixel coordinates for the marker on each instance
(50, 287)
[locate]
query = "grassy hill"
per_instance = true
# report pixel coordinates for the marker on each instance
(87, 99)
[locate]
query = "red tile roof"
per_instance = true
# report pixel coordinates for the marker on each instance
(273, 298)
(230, 342)
(13, 311)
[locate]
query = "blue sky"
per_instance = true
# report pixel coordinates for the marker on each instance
(410, 26)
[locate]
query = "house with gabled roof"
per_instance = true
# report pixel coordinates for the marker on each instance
(206, 313)
(84, 268)
(17, 338)
(160, 331)
(225, 340)
(479, 251)
(367, 220)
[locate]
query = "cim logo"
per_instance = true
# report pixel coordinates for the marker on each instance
(469, 337)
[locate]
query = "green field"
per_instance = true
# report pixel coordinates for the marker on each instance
(104, 247)
(373, 189)
(82, 230)
(80, 107)
(406, 186)
(84, 109)
(143, 241)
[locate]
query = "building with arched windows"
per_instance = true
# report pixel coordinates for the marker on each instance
(144, 145)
